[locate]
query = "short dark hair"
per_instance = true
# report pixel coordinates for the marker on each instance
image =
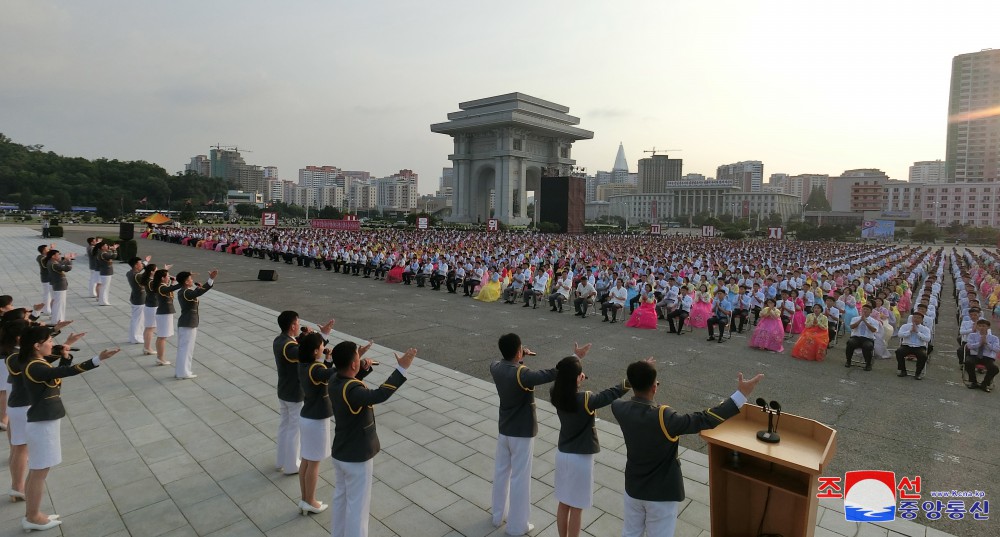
(343, 354)
(286, 318)
(308, 345)
(867, 305)
(132, 261)
(509, 345)
(641, 375)
(42, 248)
(918, 313)
(6, 300)
(983, 321)
(183, 276)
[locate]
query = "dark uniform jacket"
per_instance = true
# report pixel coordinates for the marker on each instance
(165, 298)
(286, 358)
(105, 262)
(43, 269)
(355, 438)
(43, 382)
(188, 299)
(18, 395)
(152, 299)
(91, 257)
(577, 433)
(516, 387)
(138, 294)
(651, 431)
(57, 276)
(314, 378)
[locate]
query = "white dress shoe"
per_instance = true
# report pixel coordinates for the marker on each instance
(30, 526)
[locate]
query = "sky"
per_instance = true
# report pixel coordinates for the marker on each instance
(805, 87)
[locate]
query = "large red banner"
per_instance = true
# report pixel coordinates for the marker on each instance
(342, 225)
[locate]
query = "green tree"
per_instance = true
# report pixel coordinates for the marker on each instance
(61, 201)
(330, 212)
(247, 210)
(774, 220)
(27, 201)
(817, 200)
(925, 231)
(187, 213)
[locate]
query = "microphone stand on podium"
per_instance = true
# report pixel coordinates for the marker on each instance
(763, 483)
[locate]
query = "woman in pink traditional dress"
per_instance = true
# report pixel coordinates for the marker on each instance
(798, 322)
(769, 334)
(395, 273)
(701, 310)
(645, 315)
(815, 338)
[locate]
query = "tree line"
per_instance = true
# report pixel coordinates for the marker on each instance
(31, 176)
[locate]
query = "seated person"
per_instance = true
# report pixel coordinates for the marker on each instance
(913, 340)
(722, 309)
(983, 349)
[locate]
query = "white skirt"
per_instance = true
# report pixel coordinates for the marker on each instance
(165, 325)
(148, 317)
(314, 439)
(575, 479)
(17, 417)
(44, 444)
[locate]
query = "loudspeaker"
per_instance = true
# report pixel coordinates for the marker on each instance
(267, 275)
(126, 231)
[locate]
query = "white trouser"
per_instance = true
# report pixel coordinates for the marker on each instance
(47, 299)
(95, 278)
(657, 519)
(352, 498)
(136, 326)
(105, 289)
(512, 483)
(185, 351)
(58, 307)
(288, 437)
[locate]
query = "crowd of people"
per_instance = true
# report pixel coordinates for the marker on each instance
(771, 290)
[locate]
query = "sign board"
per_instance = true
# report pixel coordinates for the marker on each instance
(654, 229)
(342, 225)
(746, 208)
(269, 219)
(422, 222)
(707, 231)
(775, 232)
(652, 208)
(878, 229)
(492, 225)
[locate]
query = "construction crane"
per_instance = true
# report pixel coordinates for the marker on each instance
(222, 147)
(654, 151)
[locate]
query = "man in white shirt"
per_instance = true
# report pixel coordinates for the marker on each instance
(681, 312)
(968, 326)
(616, 301)
(586, 293)
(913, 340)
(983, 349)
(537, 289)
(521, 277)
(864, 327)
(563, 287)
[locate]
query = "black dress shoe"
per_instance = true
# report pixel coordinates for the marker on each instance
(901, 374)
(918, 376)
(868, 368)
(985, 388)
(673, 331)
(605, 320)
(848, 364)
(710, 338)
(525, 306)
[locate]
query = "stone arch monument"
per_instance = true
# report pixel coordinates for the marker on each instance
(504, 144)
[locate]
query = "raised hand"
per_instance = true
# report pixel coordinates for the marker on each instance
(326, 328)
(73, 338)
(61, 324)
(108, 353)
(364, 349)
(746, 387)
(149, 258)
(579, 351)
(406, 359)
(213, 273)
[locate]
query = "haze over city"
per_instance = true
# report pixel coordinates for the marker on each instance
(802, 87)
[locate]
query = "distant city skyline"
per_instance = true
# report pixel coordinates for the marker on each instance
(163, 82)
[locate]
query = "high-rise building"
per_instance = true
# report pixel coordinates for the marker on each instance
(857, 190)
(397, 191)
(270, 172)
(199, 164)
(320, 176)
(973, 148)
(619, 174)
(747, 174)
(777, 182)
(802, 185)
(657, 172)
(330, 196)
(447, 184)
(228, 164)
(928, 171)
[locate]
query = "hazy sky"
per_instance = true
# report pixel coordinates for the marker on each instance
(805, 87)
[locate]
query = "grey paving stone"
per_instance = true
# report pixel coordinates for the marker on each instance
(175, 468)
(442, 471)
(275, 508)
(416, 522)
(124, 472)
(393, 472)
(99, 521)
(161, 450)
(429, 495)
(212, 514)
(466, 519)
(243, 528)
(226, 465)
(137, 494)
(153, 520)
(386, 500)
(247, 486)
(79, 498)
(303, 526)
(192, 489)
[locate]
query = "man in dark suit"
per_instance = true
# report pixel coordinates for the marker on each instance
(355, 440)
(518, 428)
(187, 323)
(654, 486)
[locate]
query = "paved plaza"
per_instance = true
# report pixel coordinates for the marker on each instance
(145, 454)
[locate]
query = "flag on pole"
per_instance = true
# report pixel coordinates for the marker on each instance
(143, 201)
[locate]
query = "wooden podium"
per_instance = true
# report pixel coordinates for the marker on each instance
(772, 487)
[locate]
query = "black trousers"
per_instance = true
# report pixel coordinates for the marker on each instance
(756, 314)
(581, 304)
(613, 308)
(991, 369)
(743, 315)
(469, 286)
(720, 321)
(681, 316)
(903, 351)
(866, 345)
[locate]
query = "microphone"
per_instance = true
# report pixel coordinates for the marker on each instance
(770, 435)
